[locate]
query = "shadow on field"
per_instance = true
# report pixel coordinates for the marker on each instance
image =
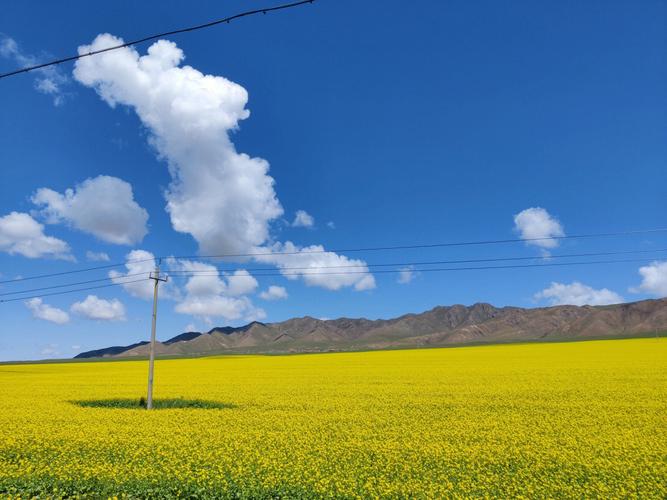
(158, 404)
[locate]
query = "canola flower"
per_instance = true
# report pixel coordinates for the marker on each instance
(561, 420)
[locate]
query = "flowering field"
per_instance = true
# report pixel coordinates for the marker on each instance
(584, 419)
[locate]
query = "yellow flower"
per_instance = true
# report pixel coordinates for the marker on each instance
(581, 419)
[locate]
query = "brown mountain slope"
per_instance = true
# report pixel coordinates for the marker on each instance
(440, 326)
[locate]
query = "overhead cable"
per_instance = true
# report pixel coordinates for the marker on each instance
(154, 37)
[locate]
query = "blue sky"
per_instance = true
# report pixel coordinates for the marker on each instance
(388, 123)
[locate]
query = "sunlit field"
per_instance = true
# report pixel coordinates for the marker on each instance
(581, 419)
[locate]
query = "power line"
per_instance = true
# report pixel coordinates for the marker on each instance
(159, 35)
(297, 274)
(432, 262)
(183, 273)
(70, 291)
(428, 245)
(513, 266)
(74, 271)
(346, 250)
(65, 285)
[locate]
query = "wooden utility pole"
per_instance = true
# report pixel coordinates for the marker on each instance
(155, 276)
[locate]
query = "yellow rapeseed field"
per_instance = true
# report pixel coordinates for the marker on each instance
(582, 419)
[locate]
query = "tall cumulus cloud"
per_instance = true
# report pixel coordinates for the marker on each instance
(224, 199)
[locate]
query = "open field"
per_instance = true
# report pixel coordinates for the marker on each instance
(584, 419)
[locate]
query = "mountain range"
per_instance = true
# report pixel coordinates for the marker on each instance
(440, 326)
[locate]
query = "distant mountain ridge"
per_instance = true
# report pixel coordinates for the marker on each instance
(440, 326)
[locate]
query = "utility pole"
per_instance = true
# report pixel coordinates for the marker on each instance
(155, 276)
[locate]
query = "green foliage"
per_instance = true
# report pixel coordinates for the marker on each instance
(158, 404)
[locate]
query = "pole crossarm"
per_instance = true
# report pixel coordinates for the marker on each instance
(155, 275)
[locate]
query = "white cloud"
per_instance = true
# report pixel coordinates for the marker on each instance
(274, 293)
(317, 267)
(136, 282)
(76, 347)
(577, 294)
(50, 79)
(240, 282)
(102, 206)
(406, 275)
(536, 222)
(97, 256)
(255, 314)
(224, 199)
(210, 281)
(210, 294)
(50, 350)
(331, 225)
(46, 312)
(654, 279)
(100, 309)
(208, 306)
(23, 235)
(303, 219)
